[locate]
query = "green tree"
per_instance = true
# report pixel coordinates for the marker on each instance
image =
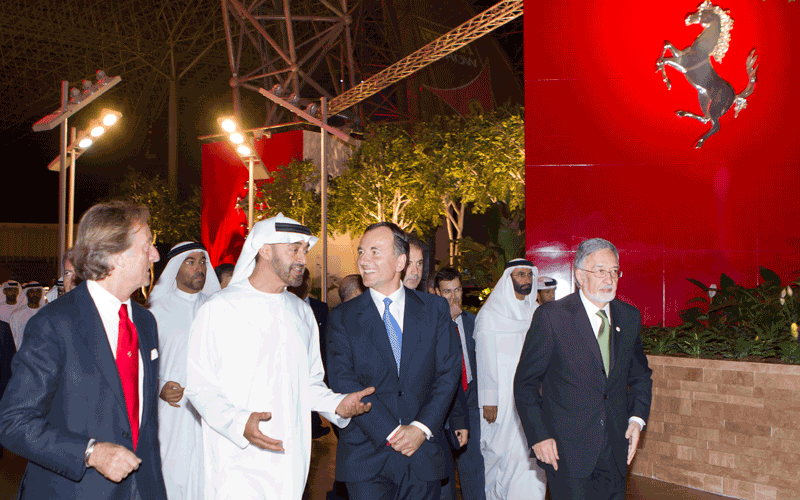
(293, 191)
(171, 220)
(383, 182)
(477, 161)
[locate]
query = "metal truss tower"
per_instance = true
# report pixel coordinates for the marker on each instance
(355, 53)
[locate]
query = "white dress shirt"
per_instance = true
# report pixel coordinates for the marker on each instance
(460, 322)
(596, 321)
(108, 307)
(398, 309)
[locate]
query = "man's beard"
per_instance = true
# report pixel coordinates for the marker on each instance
(285, 273)
(522, 288)
(202, 282)
(601, 297)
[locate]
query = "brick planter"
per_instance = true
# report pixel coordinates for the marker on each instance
(727, 427)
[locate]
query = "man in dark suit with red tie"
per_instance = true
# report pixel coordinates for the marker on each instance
(471, 470)
(403, 343)
(585, 353)
(81, 404)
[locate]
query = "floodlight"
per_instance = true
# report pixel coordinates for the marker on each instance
(85, 143)
(293, 99)
(312, 109)
(243, 150)
(228, 125)
(97, 131)
(109, 119)
(277, 89)
(236, 138)
(102, 78)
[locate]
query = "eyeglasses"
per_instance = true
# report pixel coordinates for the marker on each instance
(601, 274)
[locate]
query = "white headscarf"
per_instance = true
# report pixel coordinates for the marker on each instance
(546, 283)
(52, 294)
(11, 284)
(278, 229)
(166, 283)
(502, 311)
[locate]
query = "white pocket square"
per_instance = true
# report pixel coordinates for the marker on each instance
(153, 354)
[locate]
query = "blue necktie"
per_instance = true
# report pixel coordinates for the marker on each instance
(394, 331)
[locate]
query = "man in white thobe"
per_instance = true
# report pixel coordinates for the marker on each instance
(185, 284)
(33, 301)
(255, 374)
(500, 329)
(11, 299)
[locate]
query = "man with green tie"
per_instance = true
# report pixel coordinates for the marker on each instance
(585, 353)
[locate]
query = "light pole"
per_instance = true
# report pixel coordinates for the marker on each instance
(79, 143)
(246, 149)
(72, 101)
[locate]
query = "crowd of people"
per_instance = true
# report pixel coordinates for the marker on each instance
(213, 390)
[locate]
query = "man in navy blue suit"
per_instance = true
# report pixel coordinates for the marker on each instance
(81, 403)
(447, 284)
(403, 343)
(585, 353)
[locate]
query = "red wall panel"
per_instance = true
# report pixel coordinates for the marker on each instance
(607, 152)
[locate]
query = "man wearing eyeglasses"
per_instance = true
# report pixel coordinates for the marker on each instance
(585, 353)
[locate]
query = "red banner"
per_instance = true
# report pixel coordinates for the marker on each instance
(223, 226)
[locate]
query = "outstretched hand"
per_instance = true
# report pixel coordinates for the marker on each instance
(257, 438)
(352, 406)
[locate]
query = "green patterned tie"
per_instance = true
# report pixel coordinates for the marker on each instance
(603, 337)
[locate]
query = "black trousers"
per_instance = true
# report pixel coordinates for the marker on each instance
(391, 487)
(604, 483)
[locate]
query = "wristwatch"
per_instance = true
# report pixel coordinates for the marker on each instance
(89, 450)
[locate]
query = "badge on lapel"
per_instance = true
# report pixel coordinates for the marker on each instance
(153, 354)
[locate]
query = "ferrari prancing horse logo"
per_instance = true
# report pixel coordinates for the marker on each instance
(715, 94)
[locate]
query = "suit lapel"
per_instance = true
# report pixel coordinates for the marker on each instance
(412, 330)
(616, 331)
(584, 327)
(98, 346)
(146, 344)
(370, 321)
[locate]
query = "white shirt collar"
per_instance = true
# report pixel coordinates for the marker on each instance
(105, 301)
(398, 306)
(191, 297)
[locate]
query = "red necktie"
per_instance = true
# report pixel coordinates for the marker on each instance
(128, 366)
(463, 365)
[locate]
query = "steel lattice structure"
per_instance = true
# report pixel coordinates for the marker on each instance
(348, 51)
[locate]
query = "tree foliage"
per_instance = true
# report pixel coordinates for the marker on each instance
(476, 161)
(293, 191)
(171, 220)
(383, 182)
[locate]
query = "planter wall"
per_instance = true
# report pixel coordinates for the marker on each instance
(727, 427)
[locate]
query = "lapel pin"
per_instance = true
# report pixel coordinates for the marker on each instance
(617, 328)
(130, 353)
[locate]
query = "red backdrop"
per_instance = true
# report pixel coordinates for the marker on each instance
(223, 227)
(607, 156)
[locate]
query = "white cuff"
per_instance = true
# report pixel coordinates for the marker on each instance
(423, 428)
(638, 421)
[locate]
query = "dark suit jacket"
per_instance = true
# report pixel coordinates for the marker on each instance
(66, 389)
(320, 310)
(360, 356)
(472, 389)
(578, 403)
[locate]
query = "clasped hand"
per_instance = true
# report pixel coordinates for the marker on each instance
(407, 439)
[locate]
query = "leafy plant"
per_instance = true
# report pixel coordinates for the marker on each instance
(735, 322)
